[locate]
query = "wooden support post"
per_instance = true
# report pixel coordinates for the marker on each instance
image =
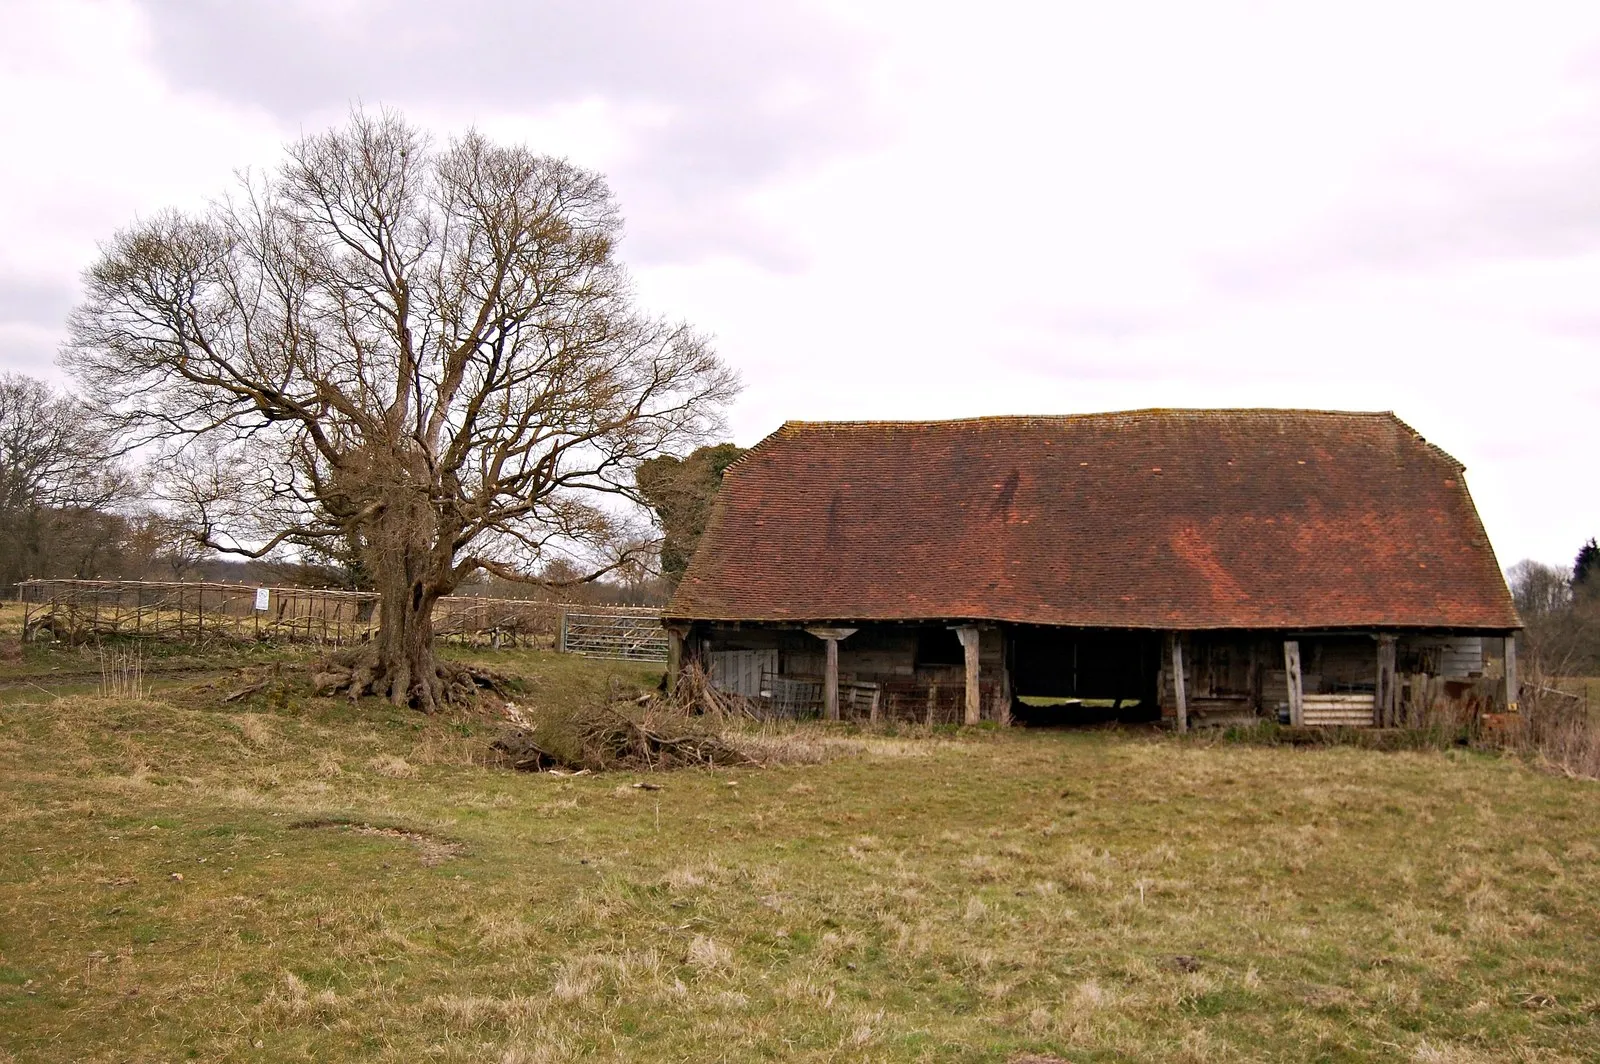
(1252, 678)
(1291, 667)
(1385, 695)
(1004, 715)
(675, 640)
(1178, 685)
(969, 645)
(830, 682)
(830, 677)
(1511, 694)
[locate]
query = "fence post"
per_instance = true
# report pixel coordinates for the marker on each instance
(561, 640)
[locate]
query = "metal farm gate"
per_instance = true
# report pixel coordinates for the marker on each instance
(621, 634)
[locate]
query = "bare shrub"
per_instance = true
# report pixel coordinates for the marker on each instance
(694, 693)
(1556, 727)
(122, 675)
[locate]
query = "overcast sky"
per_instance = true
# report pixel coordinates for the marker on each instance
(906, 210)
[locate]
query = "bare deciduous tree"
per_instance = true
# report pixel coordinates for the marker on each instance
(428, 355)
(1562, 633)
(57, 470)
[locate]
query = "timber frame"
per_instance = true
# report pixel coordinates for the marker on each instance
(981, 671)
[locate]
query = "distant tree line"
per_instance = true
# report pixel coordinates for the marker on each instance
(69, 506)
(1561, 610)
(72, 505)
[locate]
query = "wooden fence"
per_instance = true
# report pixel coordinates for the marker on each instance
(79, 610)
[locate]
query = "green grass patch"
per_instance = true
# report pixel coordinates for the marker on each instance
(302, 879)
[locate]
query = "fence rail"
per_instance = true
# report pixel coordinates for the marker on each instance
(77, 610)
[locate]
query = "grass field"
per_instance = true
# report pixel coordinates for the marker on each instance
(292, 879)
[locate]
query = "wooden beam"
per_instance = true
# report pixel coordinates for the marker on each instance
(969, 644)
(1252, 677)
(1291, 667)
(1510, 692)
(833, 633)
(1385, 700)
(1177, 683)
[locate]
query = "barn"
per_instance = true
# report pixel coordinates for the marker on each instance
(1191, 566)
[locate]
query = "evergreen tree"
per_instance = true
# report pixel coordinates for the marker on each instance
(1586, 570)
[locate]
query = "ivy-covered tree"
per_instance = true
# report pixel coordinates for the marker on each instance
(681, 491)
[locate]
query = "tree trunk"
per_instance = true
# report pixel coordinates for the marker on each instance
(400, 664)
(405, 671)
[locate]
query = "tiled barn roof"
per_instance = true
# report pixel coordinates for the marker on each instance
(1174, 519)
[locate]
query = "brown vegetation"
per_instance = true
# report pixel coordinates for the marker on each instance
(982, 897)
(621, 731)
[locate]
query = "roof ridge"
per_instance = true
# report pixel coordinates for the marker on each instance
(1215, 411)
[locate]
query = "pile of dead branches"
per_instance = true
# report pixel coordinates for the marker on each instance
(694, 694)
(621, 732)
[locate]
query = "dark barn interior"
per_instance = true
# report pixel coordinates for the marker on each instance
(1067, 676)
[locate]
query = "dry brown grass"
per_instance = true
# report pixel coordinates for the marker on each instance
(1084, 897)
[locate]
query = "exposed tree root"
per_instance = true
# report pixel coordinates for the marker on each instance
(443, 685)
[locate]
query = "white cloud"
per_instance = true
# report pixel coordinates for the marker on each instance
(916, 210)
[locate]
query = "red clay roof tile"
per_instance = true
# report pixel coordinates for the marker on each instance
(1175, 519)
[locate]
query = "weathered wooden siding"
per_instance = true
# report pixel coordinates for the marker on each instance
(741, 671)
(1222, 676)
(736, 658)
(1233, 674)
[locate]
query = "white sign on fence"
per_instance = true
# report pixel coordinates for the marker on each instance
(263, 598)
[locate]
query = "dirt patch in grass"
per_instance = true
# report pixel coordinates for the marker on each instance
(432, 849)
